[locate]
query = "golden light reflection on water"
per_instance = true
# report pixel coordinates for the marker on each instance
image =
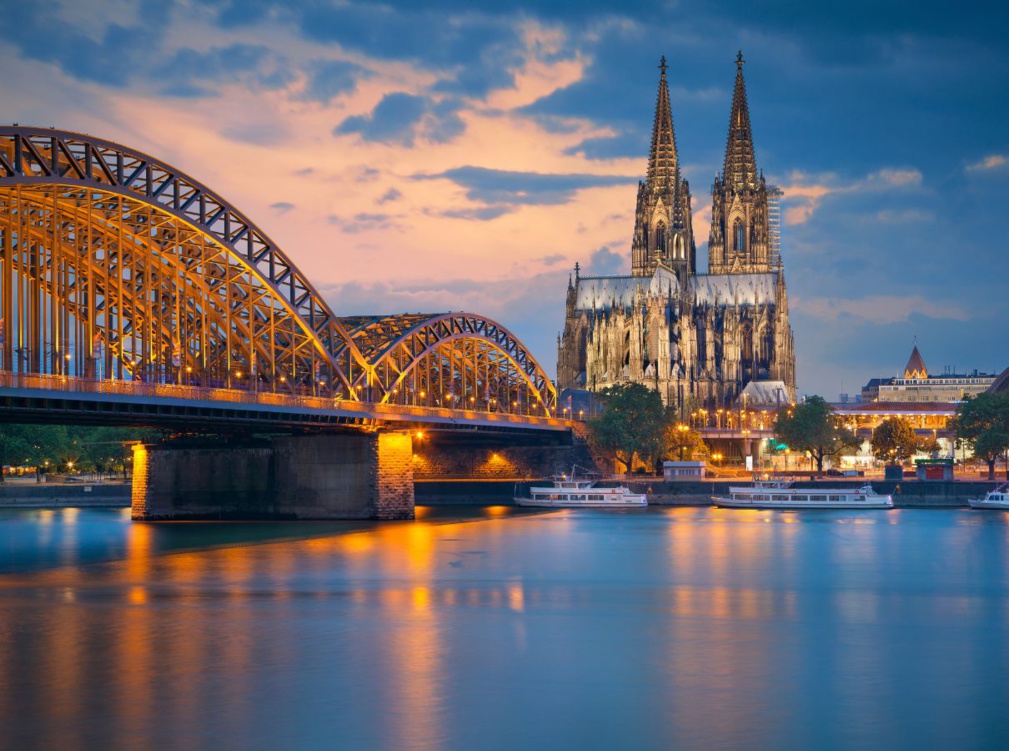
(716, 628)
(391, 610)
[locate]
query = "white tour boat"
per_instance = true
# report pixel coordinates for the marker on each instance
(781, 494)
(997, 498)
(569, 491)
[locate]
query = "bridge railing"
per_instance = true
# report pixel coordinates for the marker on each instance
(366, 410)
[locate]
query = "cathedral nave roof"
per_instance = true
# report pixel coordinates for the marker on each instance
(606, 292)
(733, 289)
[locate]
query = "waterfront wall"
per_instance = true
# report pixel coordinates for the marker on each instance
(911, 494)
(349, 476)
(17, 494)
(498, 492)
(685, 493)
(432, 461)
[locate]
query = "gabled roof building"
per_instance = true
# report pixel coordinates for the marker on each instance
(697, 338)
(917, 386)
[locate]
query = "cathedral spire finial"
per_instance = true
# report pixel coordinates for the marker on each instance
(740, 164)
(663, 162)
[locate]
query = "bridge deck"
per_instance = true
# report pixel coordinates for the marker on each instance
(56, 399)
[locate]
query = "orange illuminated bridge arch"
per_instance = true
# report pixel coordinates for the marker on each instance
(115, 265)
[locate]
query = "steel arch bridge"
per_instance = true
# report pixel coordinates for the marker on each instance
(116, 267)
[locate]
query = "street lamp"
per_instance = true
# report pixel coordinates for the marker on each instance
(682, 430)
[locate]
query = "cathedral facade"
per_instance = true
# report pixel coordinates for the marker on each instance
(699, 339)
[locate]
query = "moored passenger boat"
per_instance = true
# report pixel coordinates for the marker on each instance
(569, 491)
(781, 494)
(998, 498)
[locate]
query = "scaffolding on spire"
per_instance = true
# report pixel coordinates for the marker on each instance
(774, 195)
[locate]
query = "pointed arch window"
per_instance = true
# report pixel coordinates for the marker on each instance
(738, 236)
(660, 237)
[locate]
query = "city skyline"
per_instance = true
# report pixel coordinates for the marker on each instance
(454, 156)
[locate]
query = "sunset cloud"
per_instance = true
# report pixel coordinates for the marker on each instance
(990, 162)
(882, 309)
(451, 155)
(804, 193)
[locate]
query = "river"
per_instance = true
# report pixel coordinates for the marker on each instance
(495, 628)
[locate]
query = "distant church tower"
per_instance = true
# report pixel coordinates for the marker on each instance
(740, 238)
(662, 222)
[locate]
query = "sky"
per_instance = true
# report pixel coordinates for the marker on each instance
(425, 156)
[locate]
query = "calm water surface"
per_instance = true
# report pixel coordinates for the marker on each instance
(497, 629)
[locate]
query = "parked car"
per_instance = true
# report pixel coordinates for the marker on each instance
(834, 472)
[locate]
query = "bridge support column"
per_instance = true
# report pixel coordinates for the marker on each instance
(352, 476)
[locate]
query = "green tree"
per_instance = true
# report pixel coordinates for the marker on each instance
(894, 440)
(683, 443)
(632, 424)
(102, 448)
(89, 448)
(31, 444)
(982, 423)
(812, 426)
(690, 405)
(928, 444)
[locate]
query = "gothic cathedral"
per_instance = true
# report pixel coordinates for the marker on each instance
(699, 339)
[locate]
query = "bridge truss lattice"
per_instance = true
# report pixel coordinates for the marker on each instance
(117, 266)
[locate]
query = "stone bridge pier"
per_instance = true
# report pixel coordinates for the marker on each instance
(338, 476)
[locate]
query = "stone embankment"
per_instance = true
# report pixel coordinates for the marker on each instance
(19, 494)
(909, 494)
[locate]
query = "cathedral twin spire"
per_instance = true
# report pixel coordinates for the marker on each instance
(663, 162)
(740, 240)
(740, 234)
(740, 169)
(662, 223)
